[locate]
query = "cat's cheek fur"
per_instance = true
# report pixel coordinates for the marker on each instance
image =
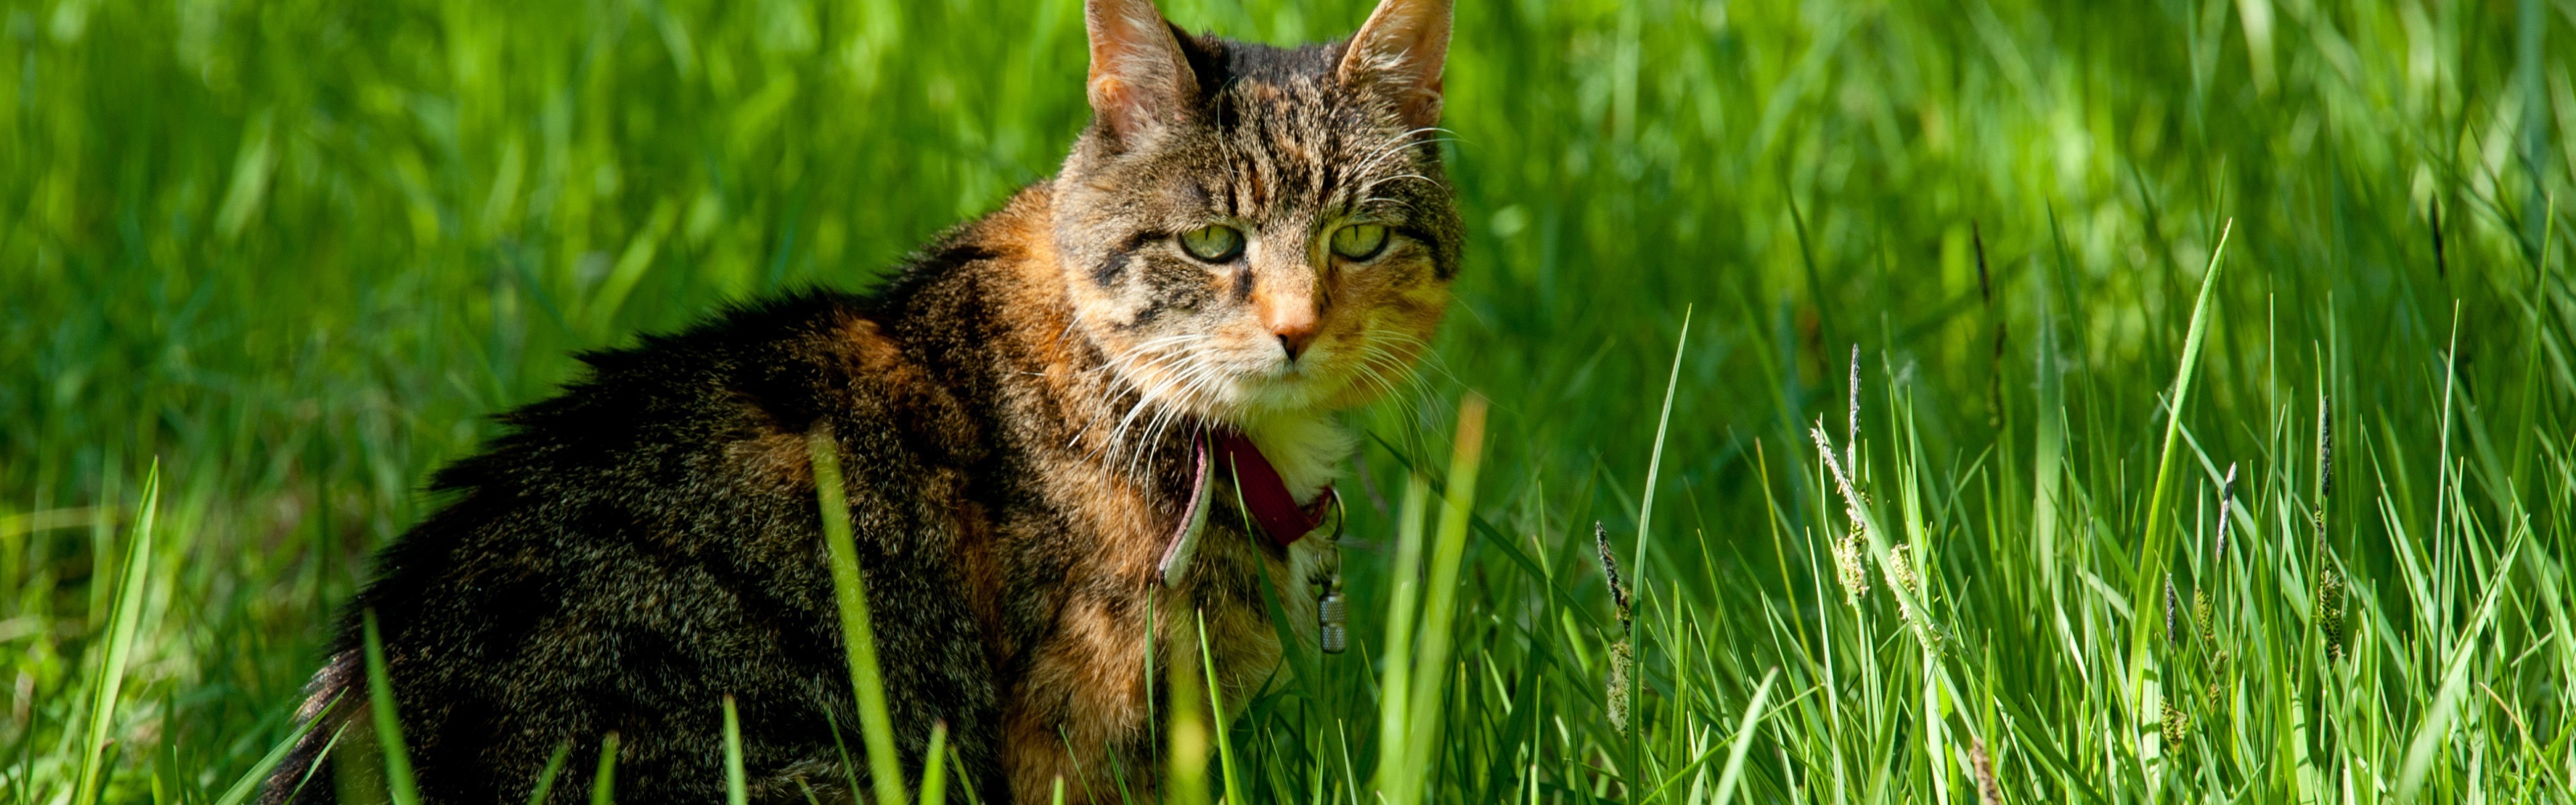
(1413, 314)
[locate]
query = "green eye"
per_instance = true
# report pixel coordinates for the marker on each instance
(1215, 243)
(1359, 241)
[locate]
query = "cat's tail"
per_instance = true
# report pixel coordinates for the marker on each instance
(331, 702)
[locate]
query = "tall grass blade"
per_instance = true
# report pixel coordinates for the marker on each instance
(603, 778)
(399, 785)
(1185, 773)
(307, 779)
(121, 625)
(934, 767)
(1440, 608)
(964, 785)
(858, 638)
(1744, 735)
(2048, 453)
(1403, 600)
(553, 770)
(2151, 554)
(1418, 649)
(250, 781)
(1645, 529)
(2436, 727)
(1216, 718)
(738, 789)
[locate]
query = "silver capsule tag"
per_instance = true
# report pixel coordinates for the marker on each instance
(1332, 613)
(1332, 630)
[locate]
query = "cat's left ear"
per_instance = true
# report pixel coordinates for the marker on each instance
(1399, 52)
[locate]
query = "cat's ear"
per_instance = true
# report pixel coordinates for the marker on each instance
(1140, 82)
(1399, 53)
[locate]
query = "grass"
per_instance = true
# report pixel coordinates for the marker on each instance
(859, 644)
(296, 252)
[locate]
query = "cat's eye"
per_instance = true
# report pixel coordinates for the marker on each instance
(1359, 241)
(1215, 243)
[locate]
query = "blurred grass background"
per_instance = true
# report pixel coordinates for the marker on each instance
(298, 251)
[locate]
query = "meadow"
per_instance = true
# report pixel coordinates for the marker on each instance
(1984, 401)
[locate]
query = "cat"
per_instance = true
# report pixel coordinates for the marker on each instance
(1244, 241)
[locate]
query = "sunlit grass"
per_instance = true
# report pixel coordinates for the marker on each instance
(297, 251)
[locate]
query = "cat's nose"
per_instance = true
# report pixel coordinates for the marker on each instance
(1293, 336)
(1289, 303)
(1293, 323)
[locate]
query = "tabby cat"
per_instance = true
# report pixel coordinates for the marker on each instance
(1050, 421)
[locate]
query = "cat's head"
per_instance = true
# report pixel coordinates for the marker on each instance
(1248, 230)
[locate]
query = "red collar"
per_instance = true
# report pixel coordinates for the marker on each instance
(1265, 496)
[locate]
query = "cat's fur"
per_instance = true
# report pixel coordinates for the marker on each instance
(1013, 413)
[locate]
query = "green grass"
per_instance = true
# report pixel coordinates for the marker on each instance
(296, 252)
(859, 642)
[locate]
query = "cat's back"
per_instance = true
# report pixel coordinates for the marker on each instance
(683, 431)
(703, 435)
(645, 544)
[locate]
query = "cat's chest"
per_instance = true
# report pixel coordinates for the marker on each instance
(1088, 508)
(1308, 449)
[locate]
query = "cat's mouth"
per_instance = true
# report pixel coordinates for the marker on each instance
(1222, 388)
(1217, 379)
(1281, 387)
(1321, 378)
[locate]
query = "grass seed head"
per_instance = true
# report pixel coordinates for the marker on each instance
(1610, 571)
(2172, 604)
(2201, 615)
(1621, 653)
(1851, 439)
(2177, 725)
(1847, 553)
(1900, 568)
(2325, 451)
(1988, 792)
(2217, 693)
(2226, 502)
(1617, 700)
(1848, 568)
(1900, 574)
(2330, 615)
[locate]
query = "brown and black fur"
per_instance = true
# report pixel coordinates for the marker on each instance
(1012, 417)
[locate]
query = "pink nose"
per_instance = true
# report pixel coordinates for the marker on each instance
(1294, 337)
(1291, 317)
(1289, 309)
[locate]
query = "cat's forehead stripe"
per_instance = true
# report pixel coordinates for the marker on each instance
(1290, 144)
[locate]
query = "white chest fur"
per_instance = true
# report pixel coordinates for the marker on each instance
(1307, 448)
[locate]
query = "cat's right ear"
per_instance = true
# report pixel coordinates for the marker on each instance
(1140, 82)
